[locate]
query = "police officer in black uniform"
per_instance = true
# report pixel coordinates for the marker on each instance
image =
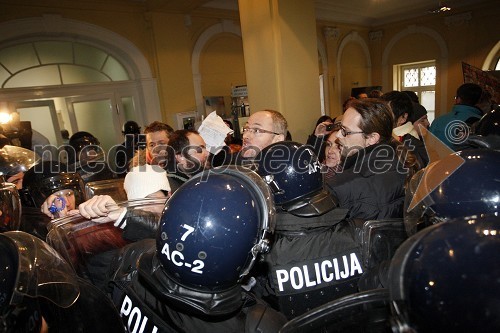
(39, 183)
(436, 280)
(39, 290)
(86, 156)
(125, 152)
(188, 280)
(314, 258)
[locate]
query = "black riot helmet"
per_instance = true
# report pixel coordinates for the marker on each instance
(445, 278)
(489, 124)
(82, 139)
(82, 146)
(14, 159)
(31, 269)
(48, 177)
(131, 127)
(293, 172)
(486, 131)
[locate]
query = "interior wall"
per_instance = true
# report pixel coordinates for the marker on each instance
(222, 66)
(467, 36)
(355, 69)
(167, 40)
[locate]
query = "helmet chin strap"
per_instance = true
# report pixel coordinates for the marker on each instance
(317, 204)
(263, 246)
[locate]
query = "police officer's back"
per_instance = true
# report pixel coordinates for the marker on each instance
(314, 258)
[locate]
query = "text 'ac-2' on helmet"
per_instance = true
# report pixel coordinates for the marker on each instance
(213, 228)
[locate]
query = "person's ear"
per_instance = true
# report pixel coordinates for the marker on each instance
(179, 158)
(279, 137)
(372, 138)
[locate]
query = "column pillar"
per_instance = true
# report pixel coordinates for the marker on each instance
(281, 60)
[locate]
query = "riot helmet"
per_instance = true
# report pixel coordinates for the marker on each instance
(14, 160)
(213, 228)
(82, 146)
(10, 207)
(486, 131)
(131, 127)
(293, 172)
(462, 184)
(489, 124)
(31, 269)
(49, 177)
(445, 278)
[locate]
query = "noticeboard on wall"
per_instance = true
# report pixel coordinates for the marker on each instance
(186, 120)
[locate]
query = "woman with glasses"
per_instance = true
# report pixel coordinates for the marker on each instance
(332, 153)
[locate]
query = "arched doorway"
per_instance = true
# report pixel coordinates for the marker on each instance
(60, 73)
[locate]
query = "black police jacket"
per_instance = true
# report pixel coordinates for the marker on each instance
(147, 297)
(312, 261)
(418, 148)
(372, 184)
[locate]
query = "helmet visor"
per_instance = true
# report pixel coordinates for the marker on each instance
(10, 208)
(15, 159)
(42, 272)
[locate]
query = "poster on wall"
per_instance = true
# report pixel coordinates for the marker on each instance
(485, 79)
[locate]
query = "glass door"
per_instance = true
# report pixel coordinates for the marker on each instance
(97, 115)
(37, 113)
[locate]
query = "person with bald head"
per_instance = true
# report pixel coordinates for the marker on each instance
(262, 129)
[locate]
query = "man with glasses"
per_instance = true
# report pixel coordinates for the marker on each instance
(262, 129)
(375, 165)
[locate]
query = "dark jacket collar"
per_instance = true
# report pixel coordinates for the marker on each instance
(195, 302)
(377, 158)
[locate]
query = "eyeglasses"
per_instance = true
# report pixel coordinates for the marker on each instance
(346, 132)
(258, 131)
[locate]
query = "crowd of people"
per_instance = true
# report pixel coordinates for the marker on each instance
(268, 234)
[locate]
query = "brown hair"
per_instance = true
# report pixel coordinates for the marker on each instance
(377, 117)
(157, 126)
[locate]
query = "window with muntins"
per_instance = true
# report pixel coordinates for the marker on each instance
(48, 63)
(420, 78)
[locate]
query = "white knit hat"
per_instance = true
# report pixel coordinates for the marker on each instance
(144, 180)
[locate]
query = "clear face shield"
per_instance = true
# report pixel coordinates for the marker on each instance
(77, 239)
(42, 272)
(14, 160)
(10, 207)
(68, 187)
(418, 212)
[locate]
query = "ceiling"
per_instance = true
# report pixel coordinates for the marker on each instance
(362, 12)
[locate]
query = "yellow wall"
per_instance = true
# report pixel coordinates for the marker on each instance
(167, 40)
(222, 66)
